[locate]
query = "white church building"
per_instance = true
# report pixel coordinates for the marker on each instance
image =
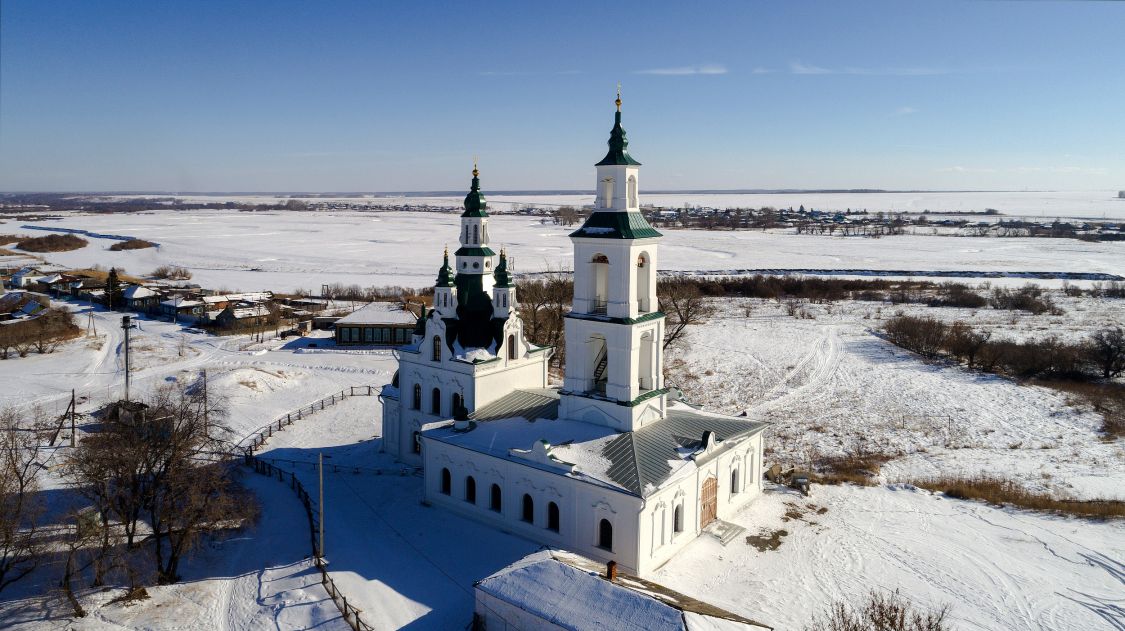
(609, 466)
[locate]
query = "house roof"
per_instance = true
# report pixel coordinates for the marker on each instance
(638, 462)
(566, 590)
(136, 292)
(180, 303)
(379, 313)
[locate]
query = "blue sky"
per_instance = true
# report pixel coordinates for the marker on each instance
(382, 96)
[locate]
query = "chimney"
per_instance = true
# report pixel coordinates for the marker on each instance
(611, 571)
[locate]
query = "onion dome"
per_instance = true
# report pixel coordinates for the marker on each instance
(445, 274)
(503, 278)
(475, 204)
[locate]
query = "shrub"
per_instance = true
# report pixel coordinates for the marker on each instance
(52, 243)
(132, 244)
(923, 335)
(1028, 298)
(882, 612)
(1006, 492)
(171, 272)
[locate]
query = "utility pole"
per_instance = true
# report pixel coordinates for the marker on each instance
(206, 408)
(320, 461)
(125, 325)
(73, 403)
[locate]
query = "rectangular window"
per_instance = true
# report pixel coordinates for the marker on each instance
(400, 335)
(369, 334)
(345, 335)
(386, 334)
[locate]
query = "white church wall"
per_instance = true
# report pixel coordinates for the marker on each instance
(659, 541)
(581, 505)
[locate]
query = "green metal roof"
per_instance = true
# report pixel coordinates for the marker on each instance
(618, 146)
(445, 274)
(616, 225)
(475, 251)
(475, 204)
(503, 279)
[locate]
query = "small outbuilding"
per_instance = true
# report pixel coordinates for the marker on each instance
(378, 323)
(559, 590)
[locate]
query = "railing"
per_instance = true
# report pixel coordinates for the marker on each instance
(261, 435)
(598, 307)
(350, 612)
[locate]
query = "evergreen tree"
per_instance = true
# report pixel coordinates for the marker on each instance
(112, 290)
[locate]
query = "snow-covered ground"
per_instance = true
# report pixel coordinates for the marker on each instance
(831, 386)
(283, 251)
(827, 383)
(1028, 204)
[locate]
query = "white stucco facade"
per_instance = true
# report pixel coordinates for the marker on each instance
(607, 466)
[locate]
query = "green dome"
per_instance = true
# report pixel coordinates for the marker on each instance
(475, 204)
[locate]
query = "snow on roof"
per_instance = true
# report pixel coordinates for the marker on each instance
(181, 303)
(639, 462)
(568, 590)
(379, 313)
(574, 599)
(135, 292)
(256, 296)
(250, 312)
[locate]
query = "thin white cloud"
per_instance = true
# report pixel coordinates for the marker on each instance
(709, 69)
(961, 169)
(801, 68)
(797, 67)
(761, 70)
(905, 110)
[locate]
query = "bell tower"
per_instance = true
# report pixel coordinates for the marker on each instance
(474, 257)
(614, 332)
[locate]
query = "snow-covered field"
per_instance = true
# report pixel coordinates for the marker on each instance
(827, 383)
(283, 251)
(1025, 204)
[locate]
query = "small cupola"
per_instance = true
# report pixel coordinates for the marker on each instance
(501, 275)
(445, 274)
(475, 204)
(618, 153)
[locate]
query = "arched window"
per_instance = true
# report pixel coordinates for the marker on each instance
(734, 481)
(435, 401)
(446, 482)
(600, 287)
(605, 535)
(455, 402)
(495, 498)
(678, 519)
(470, 490)
(476, 235)
(416, 445)
(437, 348)
(553, 516)
(417, 396)
(632, 190)
(528, 509)
(512, 352)
(505, 299)
(466, 234)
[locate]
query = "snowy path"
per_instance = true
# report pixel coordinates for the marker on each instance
(402, 563)
(997, 568)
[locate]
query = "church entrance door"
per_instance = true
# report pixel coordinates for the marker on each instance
(709, 502)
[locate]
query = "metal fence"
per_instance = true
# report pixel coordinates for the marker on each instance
(350, 612)
(258, 437)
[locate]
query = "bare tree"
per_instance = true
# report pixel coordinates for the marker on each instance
(1107, 350)
(890, 612)
(20, 504)
(965, 343)
(163, 463)
(683, 306)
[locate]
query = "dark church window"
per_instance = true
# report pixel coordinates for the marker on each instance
(435, 401)
(528, 509)
(437, 348)
(553, 516)
(605, 535)
(417, 396)
(512, 347)
(470, 490)
(446, 482)
(496, 499)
